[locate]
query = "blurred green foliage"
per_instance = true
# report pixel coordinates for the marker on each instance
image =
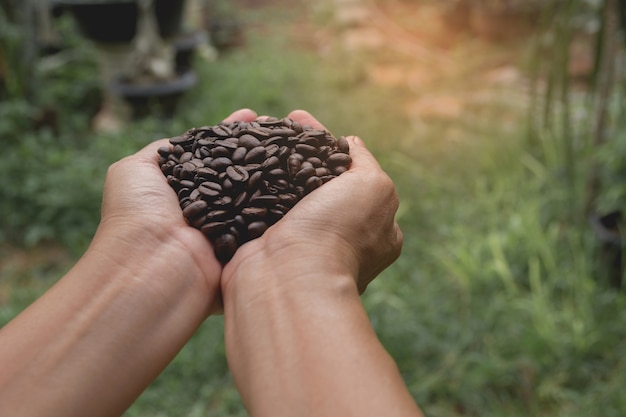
(495, 306)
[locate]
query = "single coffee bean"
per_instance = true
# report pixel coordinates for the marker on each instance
(256, 229)
(304, 174)
(237, 173)
(248, 141)
(312, 183)
(255, 155)
(225, 247)
(210, 189)
(343, 145)
(239, 154)
(339, 159)
(254, 212)
(220, 164)
(195, 209)
(213, 228)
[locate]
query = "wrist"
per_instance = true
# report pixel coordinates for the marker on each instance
(165, 260)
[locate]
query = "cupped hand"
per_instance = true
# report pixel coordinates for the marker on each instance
(347, 226)
(140, 211)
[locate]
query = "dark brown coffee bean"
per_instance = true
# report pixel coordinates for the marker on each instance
(239, 154)
(181, 140)
(259, 133)
(272, 150)
(237, 173)
(248, 141)
(276, 174)
(241, 200)
(270, 163)
(338, 170)
(186, 157)
(263, 200)
(217, 215)
(288, 199)
(210, 189)
(187, 184)
(321, 172)
(311, 141)
(225, 247)
(274, 140)
(315, 161)
(183, 192)
(213, 228)
(256, 229)
(221, 131)
(254, 212)
(195, 195)
(255, 180)
(304, 174)
(255, 155)
(294, 164)
(338, 159)
(312, 183)
(165, 151)
(220, 164)
(206, 173)
(220, 151)
(343, 145)
(195, 209)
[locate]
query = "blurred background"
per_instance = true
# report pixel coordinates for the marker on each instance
(501, 123)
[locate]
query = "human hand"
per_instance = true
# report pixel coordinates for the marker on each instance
(346, 226)
(140, 211)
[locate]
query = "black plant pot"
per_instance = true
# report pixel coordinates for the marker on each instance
(159, 99)
(607, 232)
(185, 46)
(115, 21)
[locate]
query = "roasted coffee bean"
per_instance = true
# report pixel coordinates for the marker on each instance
(256, 229)
(304, 174)
(213, 228)
(210, 189)
(255, 155)
(254, 212)
(338, 170)
(195, 209)
(164, 151)
(234, 180)
(225, 247)
(312, 183)
(237, 173)
(217, 215)
(248, 141)
(220, 151)
(264, 201)
(239, 154)
(206, 173)
(339, 158)
(343, 145)
(220, 164)
(270, 163)
(255, 180)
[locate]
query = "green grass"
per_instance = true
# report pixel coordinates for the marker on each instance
(495, 307)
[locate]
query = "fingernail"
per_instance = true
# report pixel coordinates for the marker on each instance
(356, 140)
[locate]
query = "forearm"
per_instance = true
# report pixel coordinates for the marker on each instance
(299, 349)
(93, 342)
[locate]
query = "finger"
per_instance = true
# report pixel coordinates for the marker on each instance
(245, 115)
(362, 158)
(305, 118)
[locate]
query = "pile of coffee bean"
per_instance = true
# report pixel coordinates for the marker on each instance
(236, 179)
